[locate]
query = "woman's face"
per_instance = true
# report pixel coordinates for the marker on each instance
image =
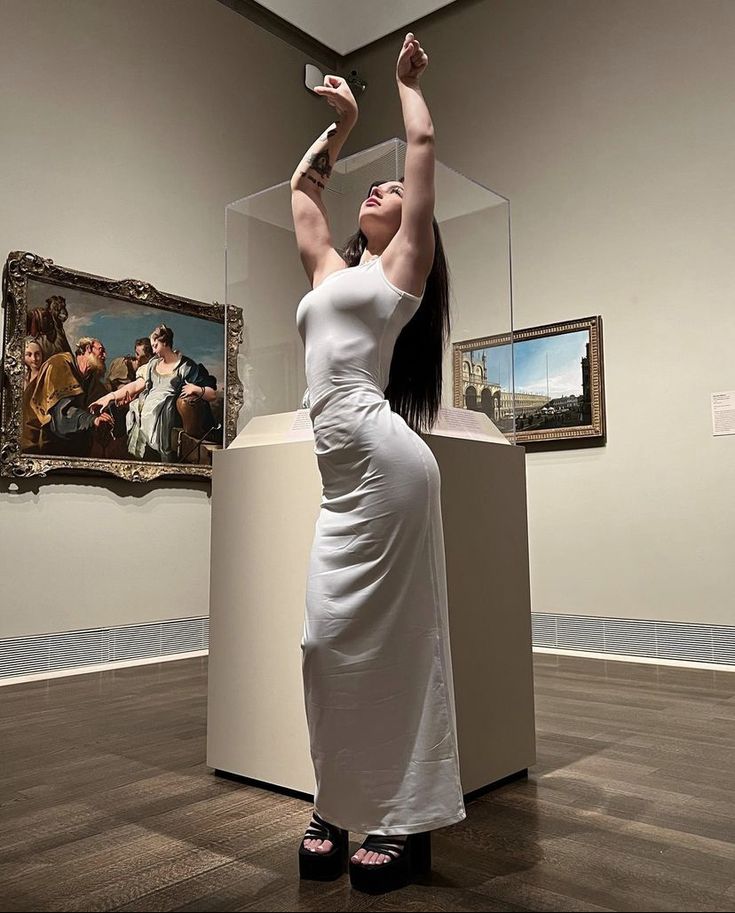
(382, 209)
(158, 346)
(33, 356)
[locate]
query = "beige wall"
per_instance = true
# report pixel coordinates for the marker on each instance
(127, 127)
(610, 127)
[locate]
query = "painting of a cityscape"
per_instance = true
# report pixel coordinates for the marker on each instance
(558, 377)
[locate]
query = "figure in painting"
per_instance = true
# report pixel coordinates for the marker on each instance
(33, 358)
(56, 419)
(123, 369)
(170, 391)
(46, 325)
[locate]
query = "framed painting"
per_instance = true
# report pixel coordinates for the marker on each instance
(538, 384)
(112, 376)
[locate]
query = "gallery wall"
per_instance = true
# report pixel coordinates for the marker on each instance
(611, 128)
(127, 127)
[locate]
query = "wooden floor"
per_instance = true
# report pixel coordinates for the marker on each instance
(106, 802)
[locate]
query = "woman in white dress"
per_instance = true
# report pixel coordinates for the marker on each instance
(376, 661)
(158, 385)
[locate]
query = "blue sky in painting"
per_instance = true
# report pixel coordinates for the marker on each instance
(565, 352)
(118, 324)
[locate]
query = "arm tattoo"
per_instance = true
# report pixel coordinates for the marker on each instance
(312, 179)
(320, 164)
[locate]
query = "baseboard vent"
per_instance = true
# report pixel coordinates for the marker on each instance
(75, 649)
(670, 640)
(691, 643)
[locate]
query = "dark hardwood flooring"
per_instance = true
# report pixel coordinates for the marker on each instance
(106, 802)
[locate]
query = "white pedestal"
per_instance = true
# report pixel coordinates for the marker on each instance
(266, 492)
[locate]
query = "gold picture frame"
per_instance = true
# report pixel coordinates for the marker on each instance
(48, 310)
(529, 402)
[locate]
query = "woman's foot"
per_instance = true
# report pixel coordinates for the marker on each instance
(316, 844)
(386, 863)
(323, 851)
(393, 844)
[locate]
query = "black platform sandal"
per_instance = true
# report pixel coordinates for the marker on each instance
(411, 860)
(324, 866)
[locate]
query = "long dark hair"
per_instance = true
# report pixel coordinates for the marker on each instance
(415, 381)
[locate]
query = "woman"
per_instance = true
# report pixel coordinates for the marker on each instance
(32, 359)
(376, 662)
(160, 383)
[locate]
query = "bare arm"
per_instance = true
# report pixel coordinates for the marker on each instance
(315, 168)
(410, 255)
(123, 394)
(311, 223)
(128, 391)
(199, 391)
(419, 195)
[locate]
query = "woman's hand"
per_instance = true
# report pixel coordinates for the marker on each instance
(412, 61)
(192, 391)
(339, 95)
(99, 404)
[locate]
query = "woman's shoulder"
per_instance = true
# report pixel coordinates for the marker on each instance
(145, 370)
(185, 363)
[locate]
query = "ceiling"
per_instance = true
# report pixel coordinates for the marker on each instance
(342, 26)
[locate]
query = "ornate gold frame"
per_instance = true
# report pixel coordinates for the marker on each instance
(22, 266)
(596, 429)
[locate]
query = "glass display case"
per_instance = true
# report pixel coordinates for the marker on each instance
(264, 277)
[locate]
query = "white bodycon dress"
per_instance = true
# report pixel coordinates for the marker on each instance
(376, 660)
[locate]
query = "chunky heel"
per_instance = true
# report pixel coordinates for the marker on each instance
(421, 854)
(329, 866)
(410, 861)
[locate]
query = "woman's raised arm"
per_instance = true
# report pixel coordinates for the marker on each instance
(410, 254)
(313, 234)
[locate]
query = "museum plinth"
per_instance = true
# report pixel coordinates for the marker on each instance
(266, 493)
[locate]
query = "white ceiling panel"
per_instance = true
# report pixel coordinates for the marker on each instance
(346, 25)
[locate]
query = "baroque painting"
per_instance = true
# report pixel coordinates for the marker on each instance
(113, 376)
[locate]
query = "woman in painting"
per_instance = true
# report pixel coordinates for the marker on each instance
(166, 391)
(33, 358)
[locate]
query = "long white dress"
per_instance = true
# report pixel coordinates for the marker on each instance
(377, 668)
